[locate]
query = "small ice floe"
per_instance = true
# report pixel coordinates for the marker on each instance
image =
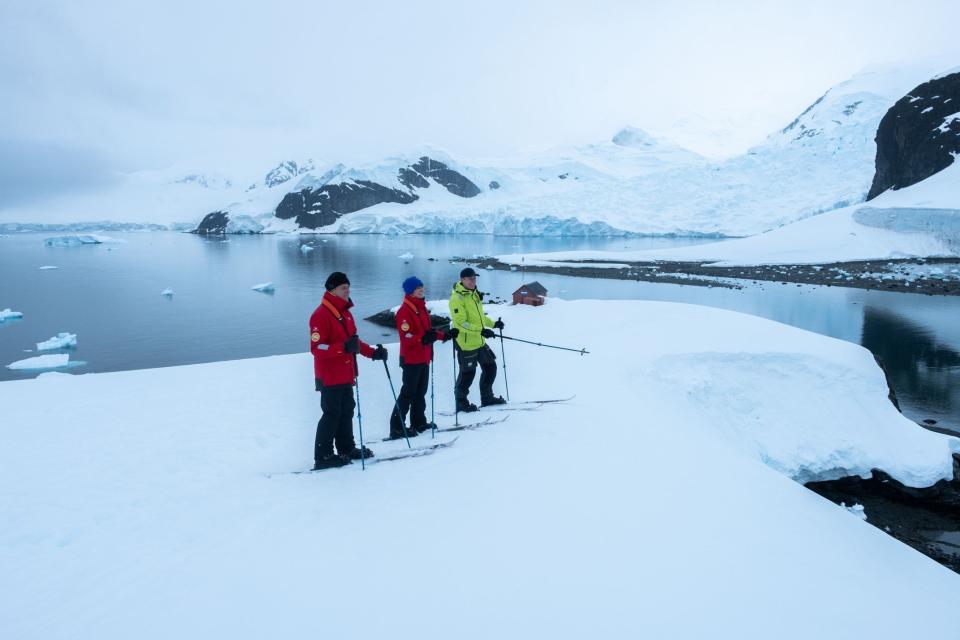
(48, 267)
(168, 292)
(51, 361)
(856, 510)
(8, 314)
(406, 256)
(266, 287)
(306, 248)
(489, 267)
(78, 240)
(59, 341)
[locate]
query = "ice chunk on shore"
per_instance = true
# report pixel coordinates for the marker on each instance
(167, 292)
(48, 267)
(60, 341)
(8, 314)
(51, 361)
(266, 287)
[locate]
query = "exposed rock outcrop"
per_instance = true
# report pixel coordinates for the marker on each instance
(213, 223)
(919, 135)
(315, 208)
(322, 205)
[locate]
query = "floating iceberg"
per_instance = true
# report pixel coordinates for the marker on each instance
(406, 256)
(266, 287)
(7, 314)
(167, 292)
(305, 248)
(59, 341)
(77, 240)
(52, 361)
(47, 267)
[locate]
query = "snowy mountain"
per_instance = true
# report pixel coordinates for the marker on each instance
(634, 183)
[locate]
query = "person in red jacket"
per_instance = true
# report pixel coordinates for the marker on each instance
(335, 344)
(416, 351)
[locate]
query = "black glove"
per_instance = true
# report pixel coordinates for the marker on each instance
(380, 353)
(429, 337)
(452, 333)
(498, 324)
(488, 333)
(352, 345)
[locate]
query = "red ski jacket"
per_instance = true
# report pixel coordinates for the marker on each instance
(330, 326)
(413, 322)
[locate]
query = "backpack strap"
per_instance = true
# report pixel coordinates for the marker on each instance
(332, 309)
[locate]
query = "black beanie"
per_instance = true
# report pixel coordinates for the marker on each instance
(336, 279)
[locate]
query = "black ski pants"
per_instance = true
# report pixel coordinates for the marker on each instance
(468, 362)
(336, 423)
(412, 398)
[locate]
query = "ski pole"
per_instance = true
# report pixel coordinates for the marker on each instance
(456, 413)
(503, 355)
(433, 424)
(363, 458)
(549, 346)
(396, 405)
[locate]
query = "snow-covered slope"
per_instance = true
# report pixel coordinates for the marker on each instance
(821, 161)
(922, 220)
(633, 183)
(139, 503)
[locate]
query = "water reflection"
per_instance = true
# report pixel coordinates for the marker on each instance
(922, 369)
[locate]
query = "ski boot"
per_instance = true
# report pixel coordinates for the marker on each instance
(330, 461)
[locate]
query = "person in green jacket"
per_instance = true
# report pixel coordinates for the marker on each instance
(466, 314)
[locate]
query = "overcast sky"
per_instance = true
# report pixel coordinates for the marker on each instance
(91, 87)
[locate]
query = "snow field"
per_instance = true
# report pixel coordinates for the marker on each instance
(139, 503)
(920, 220)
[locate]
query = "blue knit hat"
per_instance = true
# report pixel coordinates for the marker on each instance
(411, 284)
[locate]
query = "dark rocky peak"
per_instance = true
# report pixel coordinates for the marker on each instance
(315, 208)
(919, 135)
(456, 183)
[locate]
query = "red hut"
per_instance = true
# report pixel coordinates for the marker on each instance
(532, 293)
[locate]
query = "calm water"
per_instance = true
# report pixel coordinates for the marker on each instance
(109, 295)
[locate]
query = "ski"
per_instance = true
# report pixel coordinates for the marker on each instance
(525, 405)
(472, 425)
(461, 427)
(416, 452)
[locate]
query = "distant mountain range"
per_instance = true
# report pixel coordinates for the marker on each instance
(825, 159)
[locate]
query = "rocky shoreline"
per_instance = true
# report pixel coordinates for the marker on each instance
(930, 276)
(926, 519)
